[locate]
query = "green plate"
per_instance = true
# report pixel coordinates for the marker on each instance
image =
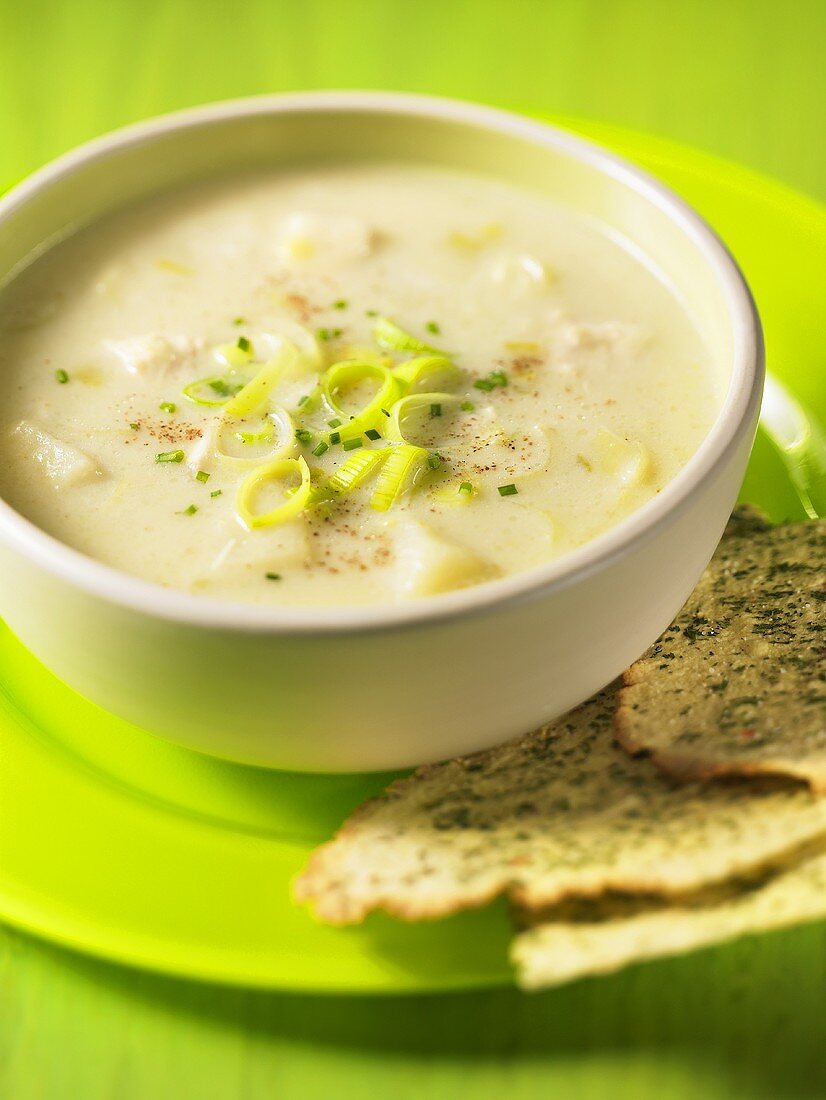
(123, 846)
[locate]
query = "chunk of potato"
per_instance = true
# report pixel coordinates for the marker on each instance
(427, 564)
(626, 459)
(329, 237)
(153, 353)
(63, 464)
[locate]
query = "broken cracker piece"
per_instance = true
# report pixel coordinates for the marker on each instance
(561, 811)
(559, 951)
(736, 684)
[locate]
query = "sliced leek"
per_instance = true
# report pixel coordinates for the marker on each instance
(215, 391)
(278, 428)
(350, 373)
(310, 355)
(402, 470)
(258, 389)
(280, 469)
(262, 436)
(389, 336)
(236, 354)
(428, 372)
(357, 469)
(394, 427)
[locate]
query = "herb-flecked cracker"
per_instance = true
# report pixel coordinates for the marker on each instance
(560, 951)
(736, 684)
(561, 811)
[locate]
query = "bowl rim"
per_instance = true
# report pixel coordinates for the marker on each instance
(735, 417)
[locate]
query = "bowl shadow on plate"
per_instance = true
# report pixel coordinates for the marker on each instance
(745, 1019)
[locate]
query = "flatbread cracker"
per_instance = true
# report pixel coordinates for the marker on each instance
(746, 519)
(561, 811)
(560, 951)
(736, 684)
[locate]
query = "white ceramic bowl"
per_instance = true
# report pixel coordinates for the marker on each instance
(436, 677)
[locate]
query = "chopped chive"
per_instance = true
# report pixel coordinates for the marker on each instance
(508, 490)
(328, 333)
(134, 426)
(244, 344)
(303, 435)
(335, 423)
(494, 379)
(335, 437)
(190, 511)
(371, 433)
(351, 444)
(202, 476)
(434, 461)
(320, 449)
(224, 388)
(466, 487)
(583, 461)
(61, 376)
(273, 576)
(239, 320)
(168, 407)
(303, 400)
(467, 406)
(436, 410)
(386, 413)
(340, 303)
(433, 326)
(216, 493)
(371, 313)
(170, 456)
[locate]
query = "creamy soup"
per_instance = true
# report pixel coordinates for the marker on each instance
(345, 385)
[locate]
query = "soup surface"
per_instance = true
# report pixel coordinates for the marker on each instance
(355, 384)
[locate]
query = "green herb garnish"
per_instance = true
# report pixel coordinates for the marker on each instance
(303, 435)
(273, 576)
(61, 376)
(335, 422)
(320, 449)
(371, 433)
(435, 410)
(351, 444)
(467, 406)
(508, 490)
(495, 379)
(340, 303)
(168, 407)
(190, 511)
(216, 493)
(244, 344)
(432, 326)
(326, 334)
(224, 389)
(170, 456)
(335, 437)
(202, 476)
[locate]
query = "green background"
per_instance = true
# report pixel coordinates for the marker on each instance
(741, 79)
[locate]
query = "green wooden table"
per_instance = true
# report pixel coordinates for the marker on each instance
(743, 79)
